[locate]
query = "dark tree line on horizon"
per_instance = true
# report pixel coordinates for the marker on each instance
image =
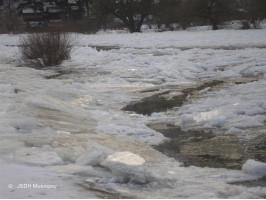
(134, 13)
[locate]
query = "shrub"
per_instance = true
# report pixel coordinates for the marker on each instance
(46, 49)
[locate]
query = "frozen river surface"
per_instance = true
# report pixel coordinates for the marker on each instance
(65, 132)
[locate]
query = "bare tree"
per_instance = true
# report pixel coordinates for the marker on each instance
(7, 7)
(9, 20)
(131, 12)
(167, 12)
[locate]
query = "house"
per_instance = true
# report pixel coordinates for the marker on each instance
(30, 14)
(75, 9)
(51, 10)
(54, 14)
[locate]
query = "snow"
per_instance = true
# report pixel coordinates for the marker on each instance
(70, 130)
(231, 38)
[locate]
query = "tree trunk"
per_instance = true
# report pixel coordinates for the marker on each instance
(214, 27)
(214, 24)
(140, 22)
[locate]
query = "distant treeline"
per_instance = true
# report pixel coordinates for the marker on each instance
(92, 15)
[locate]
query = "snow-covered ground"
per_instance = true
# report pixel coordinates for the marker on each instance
(70, 131)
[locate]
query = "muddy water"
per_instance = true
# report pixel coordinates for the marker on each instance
(71, 123)
(158, 102)
(201, 149)
(205, 149)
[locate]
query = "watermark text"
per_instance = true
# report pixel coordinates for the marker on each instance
(32, 186)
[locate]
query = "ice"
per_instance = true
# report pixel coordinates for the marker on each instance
(71, 128)
(69, 154)
(254, 168)
(94, 155)
(169, 180)
(219, 121)
(126, 165)
(187, 118)
(23, 125)
(117, 124)
(239, 107)
(126, 158)
(36, 156)
(90, 158)
(20, 174)
(7, 146)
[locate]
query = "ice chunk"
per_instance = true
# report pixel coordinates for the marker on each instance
(92, 157)
(187, 118)
(204, 90)
(70, 153)
(254, 168)
(95, 154)
(127, 165)
(218, 121)
(24, 125)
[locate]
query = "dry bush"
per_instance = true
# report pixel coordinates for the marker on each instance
(39, 50)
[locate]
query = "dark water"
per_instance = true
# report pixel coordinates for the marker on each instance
(158, 103)
(256, 183)
(205, 149)
(199, 148)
